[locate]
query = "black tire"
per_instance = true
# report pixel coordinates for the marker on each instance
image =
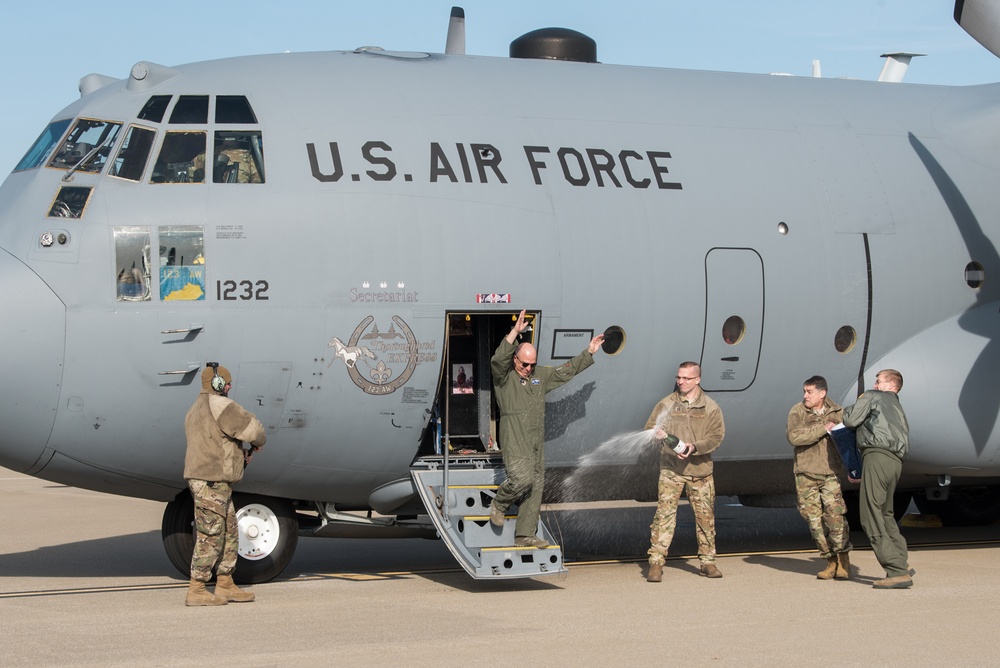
(965, 506)
(177, 532)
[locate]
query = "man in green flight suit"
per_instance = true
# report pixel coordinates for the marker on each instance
(520, 387)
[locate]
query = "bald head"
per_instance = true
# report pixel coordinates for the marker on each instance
(525, 359)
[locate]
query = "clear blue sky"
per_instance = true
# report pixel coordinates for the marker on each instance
(46, 47)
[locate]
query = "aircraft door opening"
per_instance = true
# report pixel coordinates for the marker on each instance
(465, 403)
(734, 319)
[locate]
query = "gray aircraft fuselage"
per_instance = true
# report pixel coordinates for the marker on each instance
(399, 188)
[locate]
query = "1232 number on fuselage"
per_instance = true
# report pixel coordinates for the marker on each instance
(241, 290)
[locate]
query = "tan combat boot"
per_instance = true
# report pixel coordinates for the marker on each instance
(226, 588)
(830, 571)
(655, 573)
(198, 595)
(843, 566)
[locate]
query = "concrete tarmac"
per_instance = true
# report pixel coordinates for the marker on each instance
(84, 582)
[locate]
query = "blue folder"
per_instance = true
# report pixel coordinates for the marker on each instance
(847, 446)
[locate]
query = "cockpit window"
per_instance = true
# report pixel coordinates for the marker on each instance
(190, 109)
(182, 158)
(87, 146)
(239, 157)
(42, 148)
(132, 271)
(154, 109)
(70, 202)
(233, 109)
(132, 156)
(182, 263)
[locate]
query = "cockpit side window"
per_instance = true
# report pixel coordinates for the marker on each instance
(132, 270)
(181, 159)
(130, 162)
(154, 108)
(233, 109)
(182, 263)
(87, 146)
(190, 109)
(239, 157)
(42, 148)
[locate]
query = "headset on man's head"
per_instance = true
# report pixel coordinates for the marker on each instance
(218, 382)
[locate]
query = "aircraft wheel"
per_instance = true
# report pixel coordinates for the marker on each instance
(269, 534)
(268, 530)
(177, 531)
(965, 506)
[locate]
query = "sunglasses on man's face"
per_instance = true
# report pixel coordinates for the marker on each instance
(526, 365)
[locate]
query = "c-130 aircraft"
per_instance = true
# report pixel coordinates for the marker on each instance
(353, 232)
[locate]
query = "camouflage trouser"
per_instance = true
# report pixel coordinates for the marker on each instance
(821, 504)
(701, 496)
(216, 538)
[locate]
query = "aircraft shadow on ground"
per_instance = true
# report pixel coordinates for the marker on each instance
(133, 555)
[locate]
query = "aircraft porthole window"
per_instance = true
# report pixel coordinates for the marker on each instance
(782, 229)
(975, 275)
(733, 330)
(844, 339)
(614, 340)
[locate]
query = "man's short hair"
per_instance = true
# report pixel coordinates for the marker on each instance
(892, 376)
(819, 382)
(688, 364)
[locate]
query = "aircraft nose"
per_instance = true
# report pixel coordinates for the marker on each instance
(32, 345)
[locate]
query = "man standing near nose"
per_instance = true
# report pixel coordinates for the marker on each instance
(520, 386)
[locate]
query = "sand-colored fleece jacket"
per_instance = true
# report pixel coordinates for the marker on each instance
(215, 427)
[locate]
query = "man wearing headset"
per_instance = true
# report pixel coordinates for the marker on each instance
(216, 427)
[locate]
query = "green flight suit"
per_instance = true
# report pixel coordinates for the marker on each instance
(522, 430)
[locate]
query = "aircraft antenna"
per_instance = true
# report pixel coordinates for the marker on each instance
(896, 65)
(455, 44)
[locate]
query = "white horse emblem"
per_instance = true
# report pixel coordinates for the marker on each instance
(350, 354)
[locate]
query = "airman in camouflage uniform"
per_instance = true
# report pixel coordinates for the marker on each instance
(690, 427)
(216, 427)
(817, 465)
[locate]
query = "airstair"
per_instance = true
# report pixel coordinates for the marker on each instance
(457, 494)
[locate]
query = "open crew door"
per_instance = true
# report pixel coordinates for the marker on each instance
(457, 489)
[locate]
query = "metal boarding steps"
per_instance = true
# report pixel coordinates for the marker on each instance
(461, 515)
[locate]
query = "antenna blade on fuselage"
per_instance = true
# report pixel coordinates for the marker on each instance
(455, 44)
